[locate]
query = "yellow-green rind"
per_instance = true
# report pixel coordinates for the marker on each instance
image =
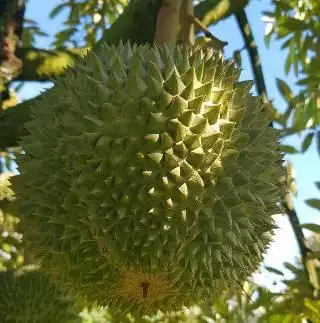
(154, 161)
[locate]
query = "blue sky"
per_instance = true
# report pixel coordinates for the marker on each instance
(284, 248)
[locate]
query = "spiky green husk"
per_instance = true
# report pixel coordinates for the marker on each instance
(26, 296)
(150, 177)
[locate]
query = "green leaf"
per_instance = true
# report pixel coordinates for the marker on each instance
(75, 13)
(284, 90)
(41, 33)
(57, 10)
(315, 203)
(307, 142)
(312, 227)
(294, 58)
(318, 185)
(285, 5)
(288, 149)
(291, 267)
(293, 24)
(268, 14)
(300, 118)
(29, 21)
(267, 39)
(310, 80)
(63, 36)
(274, 270)
(287, 43)
(287, 65)
(282, 32)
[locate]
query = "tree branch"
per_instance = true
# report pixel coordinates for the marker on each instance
(261, 89)
(173, 23)
(211, 11)
(168, 22)
(296, 227)
(42, 65)
(252, 49)
(187, 27)
(137, 23)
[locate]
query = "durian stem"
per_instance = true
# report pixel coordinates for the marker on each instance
(287, 202)
(168, 22)
(187, 27)
(173, 23)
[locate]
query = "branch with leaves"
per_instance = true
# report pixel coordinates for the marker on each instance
(43, 65)
(39, 64)
(261, 89)
(210, 12)
(127, 27)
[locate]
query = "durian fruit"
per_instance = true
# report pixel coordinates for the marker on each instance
(26, 296)
(150, 177)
